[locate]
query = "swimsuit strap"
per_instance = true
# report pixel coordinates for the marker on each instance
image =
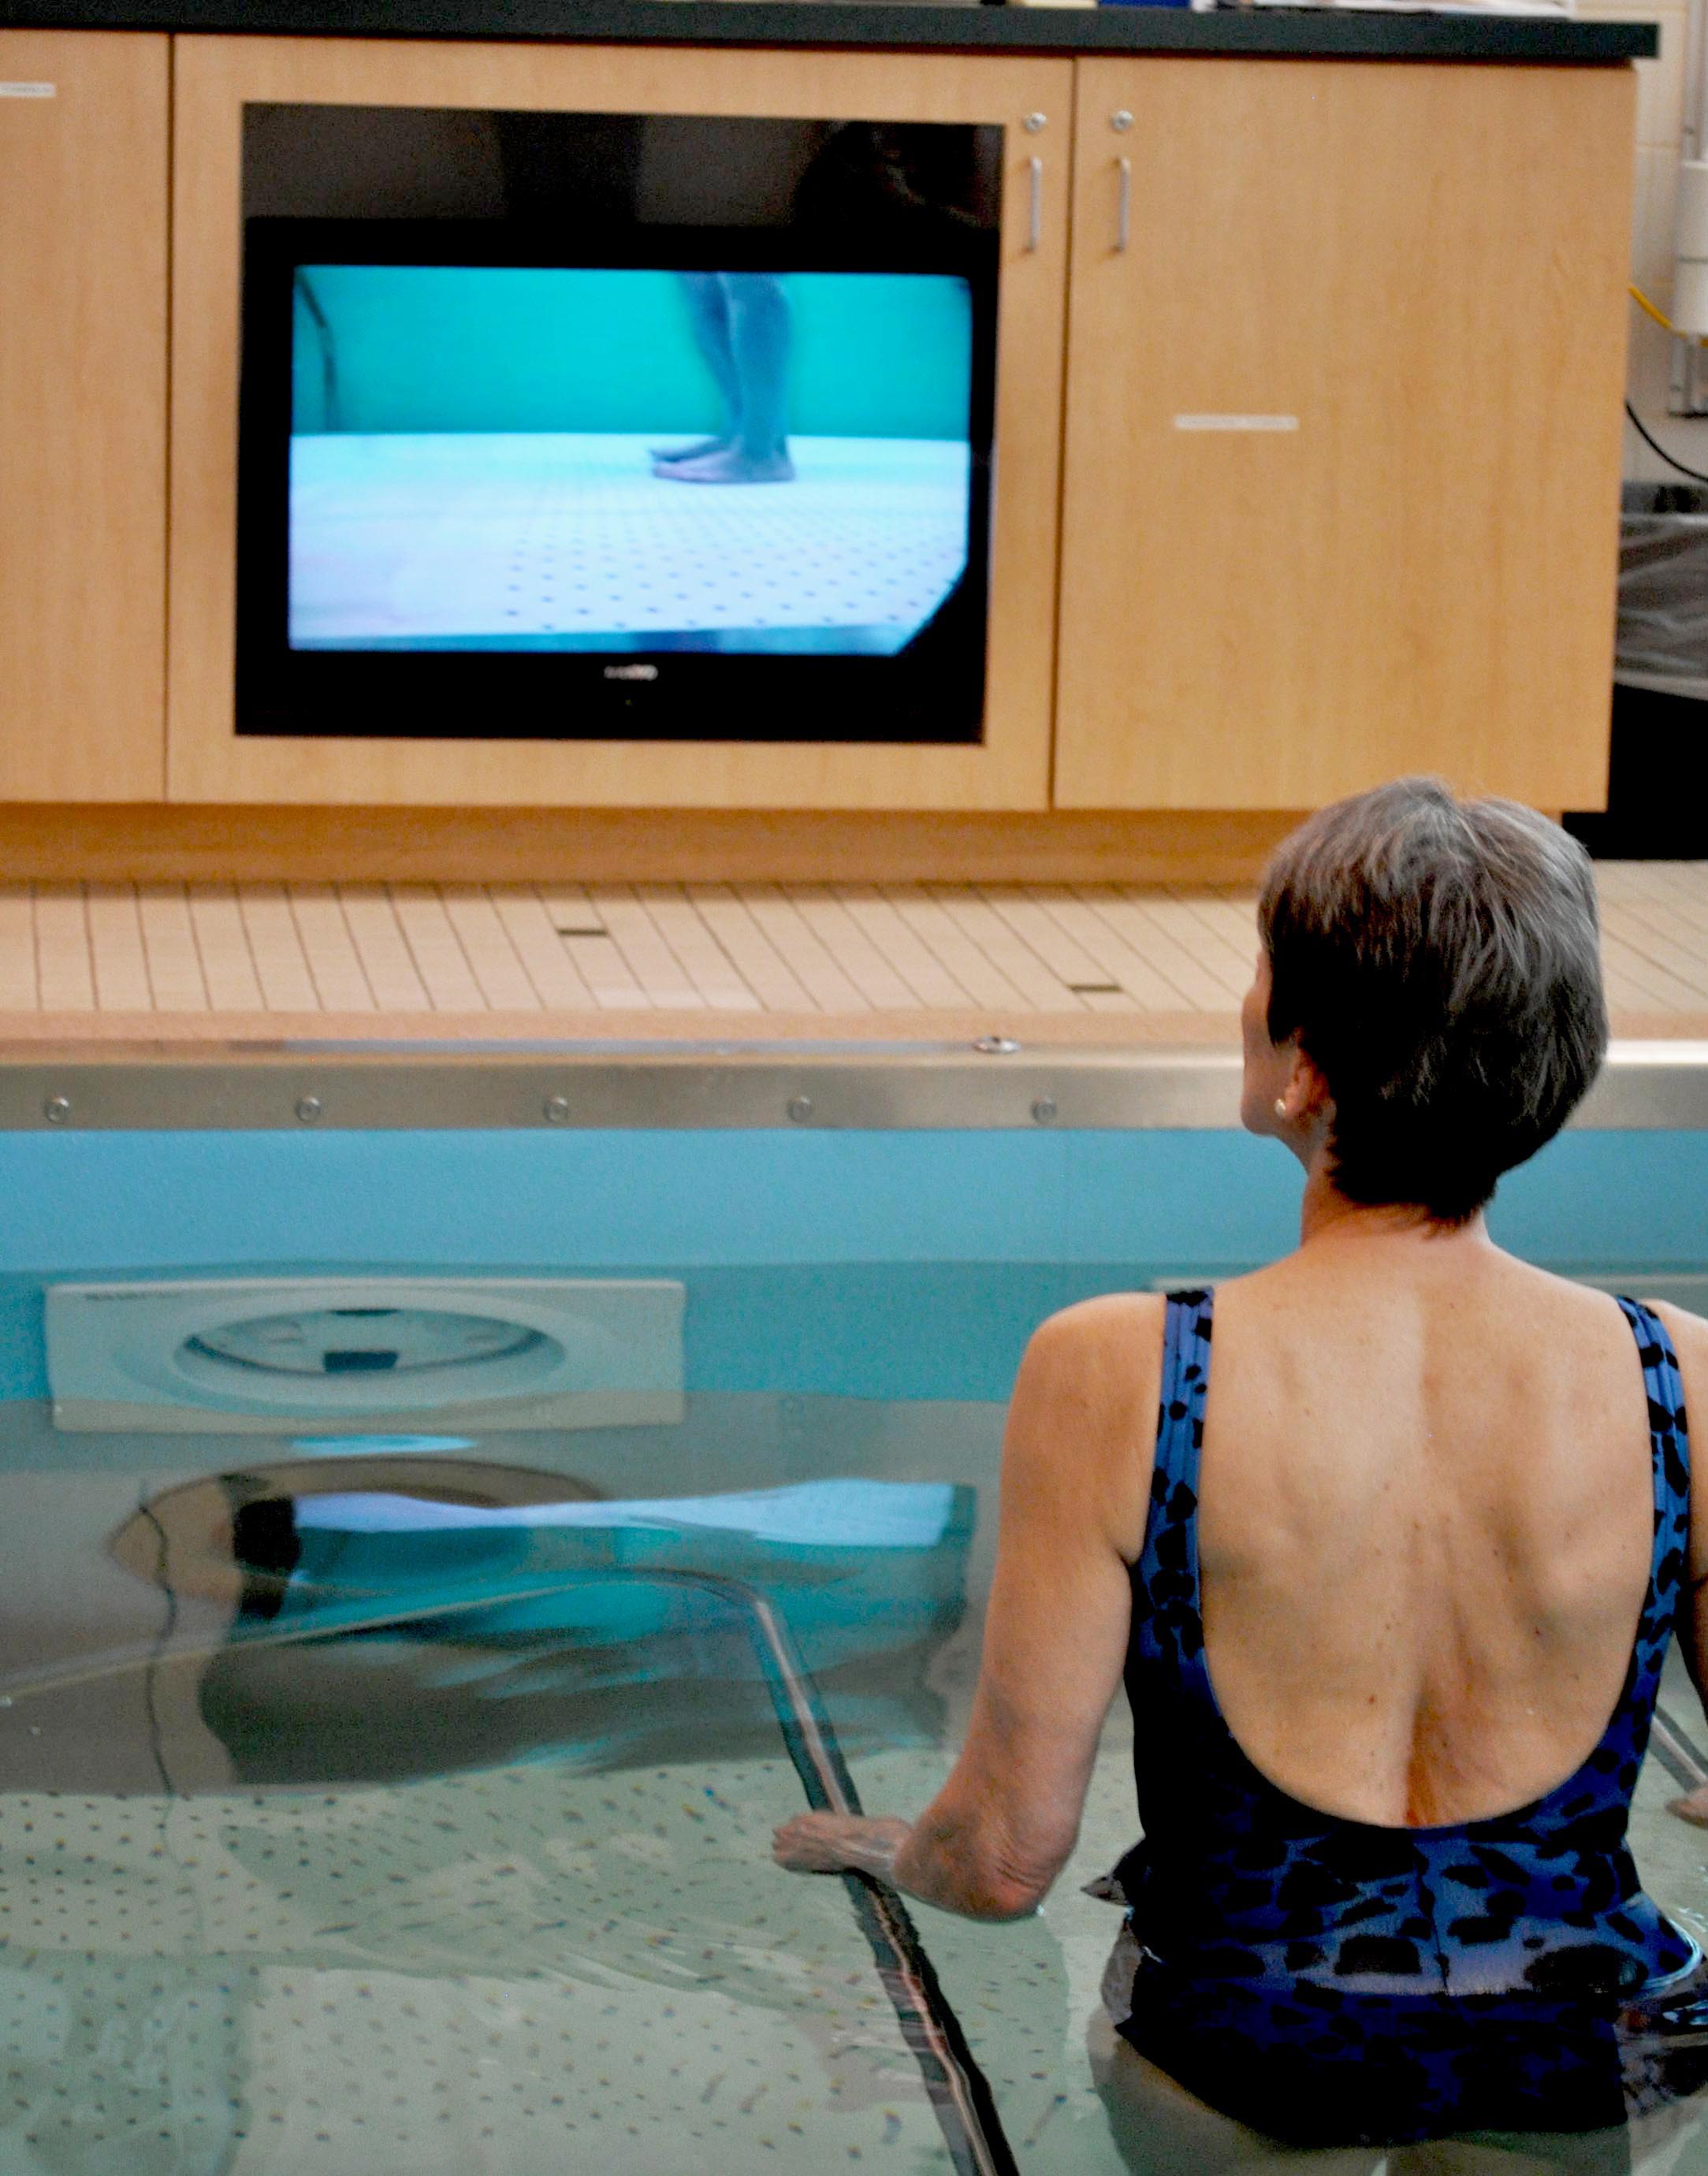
(1166, 1616)
(1185, 1382)
(1669, 1451)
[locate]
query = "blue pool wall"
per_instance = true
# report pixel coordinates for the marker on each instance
(858, 1263)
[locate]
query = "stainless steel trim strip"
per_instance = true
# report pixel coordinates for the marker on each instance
(1651, 1086)
(1647, 1086)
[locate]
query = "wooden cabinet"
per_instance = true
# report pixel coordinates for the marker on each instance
(83, 415)
(1343, 430)
(217, 76)
(1344, 350)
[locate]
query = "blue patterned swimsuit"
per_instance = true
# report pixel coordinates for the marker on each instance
(1332, 1982)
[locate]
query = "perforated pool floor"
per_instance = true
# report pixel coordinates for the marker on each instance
(496, 1972)
(547, 538)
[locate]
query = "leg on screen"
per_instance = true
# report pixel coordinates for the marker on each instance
(756, 320)
(709, 320)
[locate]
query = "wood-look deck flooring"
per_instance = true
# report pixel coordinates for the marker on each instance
(1081, 963)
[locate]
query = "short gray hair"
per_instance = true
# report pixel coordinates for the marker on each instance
(1439, 961)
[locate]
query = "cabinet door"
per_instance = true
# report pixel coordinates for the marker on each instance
(1343, 433)
(216, 77)
(83, 415)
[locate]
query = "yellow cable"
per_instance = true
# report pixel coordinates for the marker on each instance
(1660, 317)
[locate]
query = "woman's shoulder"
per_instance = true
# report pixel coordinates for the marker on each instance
(1104, 1353)
(1114, 1314)
(1124, 1325)
(1687, 1331)
(1083, 1415)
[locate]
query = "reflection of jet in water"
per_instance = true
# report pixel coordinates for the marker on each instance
(387, 1630)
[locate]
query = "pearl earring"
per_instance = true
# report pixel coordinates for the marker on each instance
(1280, 1107)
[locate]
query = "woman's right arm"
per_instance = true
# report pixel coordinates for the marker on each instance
(1075, 1492)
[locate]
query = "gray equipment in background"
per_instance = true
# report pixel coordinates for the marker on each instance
(1657, 799)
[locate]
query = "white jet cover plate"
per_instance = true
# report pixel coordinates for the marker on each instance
(253, 1354)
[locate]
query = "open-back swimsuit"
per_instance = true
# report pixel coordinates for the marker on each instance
(1329, 1980)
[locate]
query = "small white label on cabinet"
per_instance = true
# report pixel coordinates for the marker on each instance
(29, 90)
(1235, 422)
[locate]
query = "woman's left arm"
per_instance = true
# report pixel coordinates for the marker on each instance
(1075, 1484)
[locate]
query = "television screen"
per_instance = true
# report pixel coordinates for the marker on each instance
(564, 458)
(714, 495)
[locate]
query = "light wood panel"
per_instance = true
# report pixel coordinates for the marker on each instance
(1424, 266)
(218, 845)
(83, 416)
(216, 76)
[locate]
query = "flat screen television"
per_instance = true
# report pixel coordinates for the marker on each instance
(498, 479)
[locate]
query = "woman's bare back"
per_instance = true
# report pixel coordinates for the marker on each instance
(1426, 1525)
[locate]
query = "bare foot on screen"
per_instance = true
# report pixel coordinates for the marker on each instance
(730, 465)
(668, 456)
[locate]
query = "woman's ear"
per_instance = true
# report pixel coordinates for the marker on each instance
(1307, 1095)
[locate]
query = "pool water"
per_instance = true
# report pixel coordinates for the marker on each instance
(402, 1804)
(462, 1890)
(437, 1897)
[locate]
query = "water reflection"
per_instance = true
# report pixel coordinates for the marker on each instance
(486, 1614)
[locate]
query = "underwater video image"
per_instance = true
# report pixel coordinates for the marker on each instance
(527, 458)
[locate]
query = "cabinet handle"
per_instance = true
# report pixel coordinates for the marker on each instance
(1124, 205)
(1035, 215)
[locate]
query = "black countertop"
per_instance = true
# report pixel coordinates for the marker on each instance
(877, 25)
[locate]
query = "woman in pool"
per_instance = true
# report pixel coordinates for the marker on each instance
(1389, 1584)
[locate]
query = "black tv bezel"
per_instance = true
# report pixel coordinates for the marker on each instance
(931, 693)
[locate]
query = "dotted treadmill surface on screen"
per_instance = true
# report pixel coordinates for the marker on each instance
(410, 537)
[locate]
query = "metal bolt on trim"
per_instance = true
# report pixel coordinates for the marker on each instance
(995, 1046)
(1044, 1110)
(800, 1109)
(557, 1110)
(309, 1108)
(1034, 121)
(57, 1110)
